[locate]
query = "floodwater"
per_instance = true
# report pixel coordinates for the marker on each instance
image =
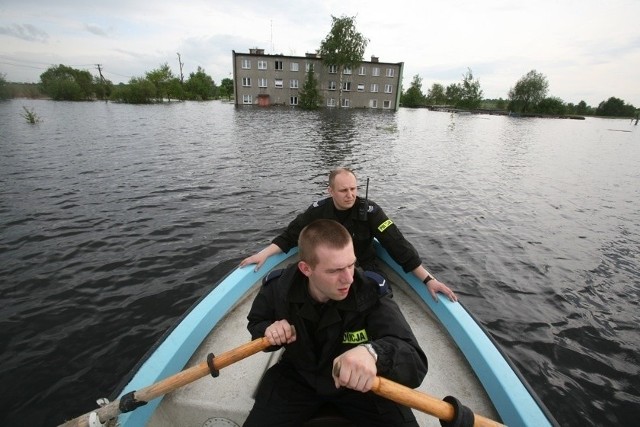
(115, 218)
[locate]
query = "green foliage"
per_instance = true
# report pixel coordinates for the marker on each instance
(470, 95)
(528, 92)
(615, 107)
(4, 87)
(226, 88)
(436, 95)
(343, 46)
(552, 106)
(30, 115)
(200, 86)
(310, 98)
(161, 79)
(64, 83)
(137, 91)
(452, 94)
(102, 88)
(413, 97)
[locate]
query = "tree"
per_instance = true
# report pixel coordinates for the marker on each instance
(470, 95)
(436, 95)
(528, 92)
(615, 107)
(4, 88)
(551, 105)
(226, 88)
(200, 86)
(452, 94)
(413, 97)
(343, 47)
(310, 98)
(64, 83)
(137, 91)
(161, 79)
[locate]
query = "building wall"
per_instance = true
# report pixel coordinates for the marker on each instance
(261, 79)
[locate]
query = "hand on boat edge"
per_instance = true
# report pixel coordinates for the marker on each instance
(434, 286)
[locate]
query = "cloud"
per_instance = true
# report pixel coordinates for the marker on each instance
(26, 32)
(97, 30)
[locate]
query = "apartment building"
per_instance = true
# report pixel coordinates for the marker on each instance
(265, 80)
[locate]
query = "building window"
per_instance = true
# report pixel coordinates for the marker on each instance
(388, 88)
(346, 86)
(293, 84)
(390, 72)
(262, 65)
(333, 69)
(347, 70)
(332, 86)
(246, 64)
(375, 71)
(294, 66)
(345, 102)
(246, 81)
(374, 87)
(331, 102)
(362, 71)
(262, 82)
(246, 99)
(278, 83)
(360, 87)
(386, 104)
(373, 103)
(293, 100)
(278, 65)
(308, 66)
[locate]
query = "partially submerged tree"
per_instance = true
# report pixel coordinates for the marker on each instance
(226, 88)
(413, 97)
(343, 47)
(470, 94)
(530, 90)
(63, 83)
(310, 98)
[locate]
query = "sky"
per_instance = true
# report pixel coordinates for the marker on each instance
(588, 50)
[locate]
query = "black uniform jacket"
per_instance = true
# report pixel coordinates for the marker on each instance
(377, 224)
(363, 316)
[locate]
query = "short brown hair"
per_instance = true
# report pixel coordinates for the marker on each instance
(336, 172)
(321, 232)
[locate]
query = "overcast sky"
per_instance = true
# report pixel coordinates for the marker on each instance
(588, 49)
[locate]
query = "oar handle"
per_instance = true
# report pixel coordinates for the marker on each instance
(423, 402)
(169, 384)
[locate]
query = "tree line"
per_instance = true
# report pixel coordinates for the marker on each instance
(64, 83)
(529, 95)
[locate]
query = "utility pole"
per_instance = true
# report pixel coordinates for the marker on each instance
(102, 82)
(181, 64)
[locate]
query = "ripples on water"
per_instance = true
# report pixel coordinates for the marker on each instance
(114, 219)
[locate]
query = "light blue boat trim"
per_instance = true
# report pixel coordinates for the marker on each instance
(174, 352)
(507, 392)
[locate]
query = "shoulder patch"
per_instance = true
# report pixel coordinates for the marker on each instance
(383, 286)
(385, 225)
(272, 275)
(319, 203)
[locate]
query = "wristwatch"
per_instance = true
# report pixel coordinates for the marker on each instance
(371, 351)
(426, 279)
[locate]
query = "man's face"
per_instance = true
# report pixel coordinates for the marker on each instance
(344, 191)
(332, 276)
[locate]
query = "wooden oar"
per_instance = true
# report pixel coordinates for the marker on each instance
(167, 385)
(423, 402)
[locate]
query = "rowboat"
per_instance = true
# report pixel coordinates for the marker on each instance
(464, 362)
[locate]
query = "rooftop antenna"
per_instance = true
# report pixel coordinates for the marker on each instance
(271, 36)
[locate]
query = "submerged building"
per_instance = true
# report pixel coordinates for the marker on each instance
(262, 79)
